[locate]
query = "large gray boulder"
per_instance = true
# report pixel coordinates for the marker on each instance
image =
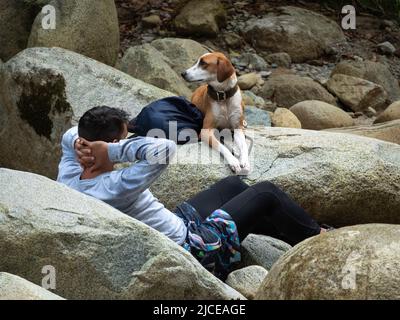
(353, 263)
(16, 22)
(375, 72)
(87, 27)
(16, 288)
(201, 18)
(146, 63)
(286, 90)
(386, 131)
(339, 179)
(97, 251)
(301, 33)
(44, 91)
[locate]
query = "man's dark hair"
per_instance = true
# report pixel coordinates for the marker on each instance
(102, 124)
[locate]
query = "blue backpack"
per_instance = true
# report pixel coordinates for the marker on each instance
(159, 115)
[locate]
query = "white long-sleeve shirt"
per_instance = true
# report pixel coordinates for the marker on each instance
(127, 189)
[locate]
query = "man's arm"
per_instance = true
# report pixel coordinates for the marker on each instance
(153, 154)
(69, 166)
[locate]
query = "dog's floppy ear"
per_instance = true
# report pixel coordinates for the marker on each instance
(225, 69)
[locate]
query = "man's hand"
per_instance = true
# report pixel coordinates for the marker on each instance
(93, 155)
(84, 154)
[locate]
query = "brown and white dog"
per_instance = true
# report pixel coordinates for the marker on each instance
(220, 100)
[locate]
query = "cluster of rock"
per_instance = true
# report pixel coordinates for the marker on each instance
(338, 174)
(44, 91)
(354, 92)
(97, 252)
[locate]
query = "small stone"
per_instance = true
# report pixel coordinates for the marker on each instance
(351, 114)
(262, 250)
(251, 61)
(331, 51)
(285, 118)
(370, 112)
(390, 113)
(251, 99)
(248, 98)
(147, 39)
(152, 21)
(388, 24)
(386, 48)
(248, 81)
(257, 117)
(233, 40)
(318, 63)
(358, 58)
(281, 59)
(247, 281)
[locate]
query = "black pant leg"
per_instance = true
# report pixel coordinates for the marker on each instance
(214, 197)
(265, 203)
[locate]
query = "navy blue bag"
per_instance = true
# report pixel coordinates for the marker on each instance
(159, 115)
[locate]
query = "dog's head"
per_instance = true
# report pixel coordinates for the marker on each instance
(210, 67)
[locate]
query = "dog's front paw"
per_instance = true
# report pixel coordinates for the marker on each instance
(239, 168)
(245, 165)
(245, 168)
(235, 166)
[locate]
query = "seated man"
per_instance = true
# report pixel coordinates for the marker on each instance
(126, 189)
(209, 225)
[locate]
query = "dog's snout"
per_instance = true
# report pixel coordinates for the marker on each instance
(183, 74)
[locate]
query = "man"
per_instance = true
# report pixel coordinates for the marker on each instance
(100, 135)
